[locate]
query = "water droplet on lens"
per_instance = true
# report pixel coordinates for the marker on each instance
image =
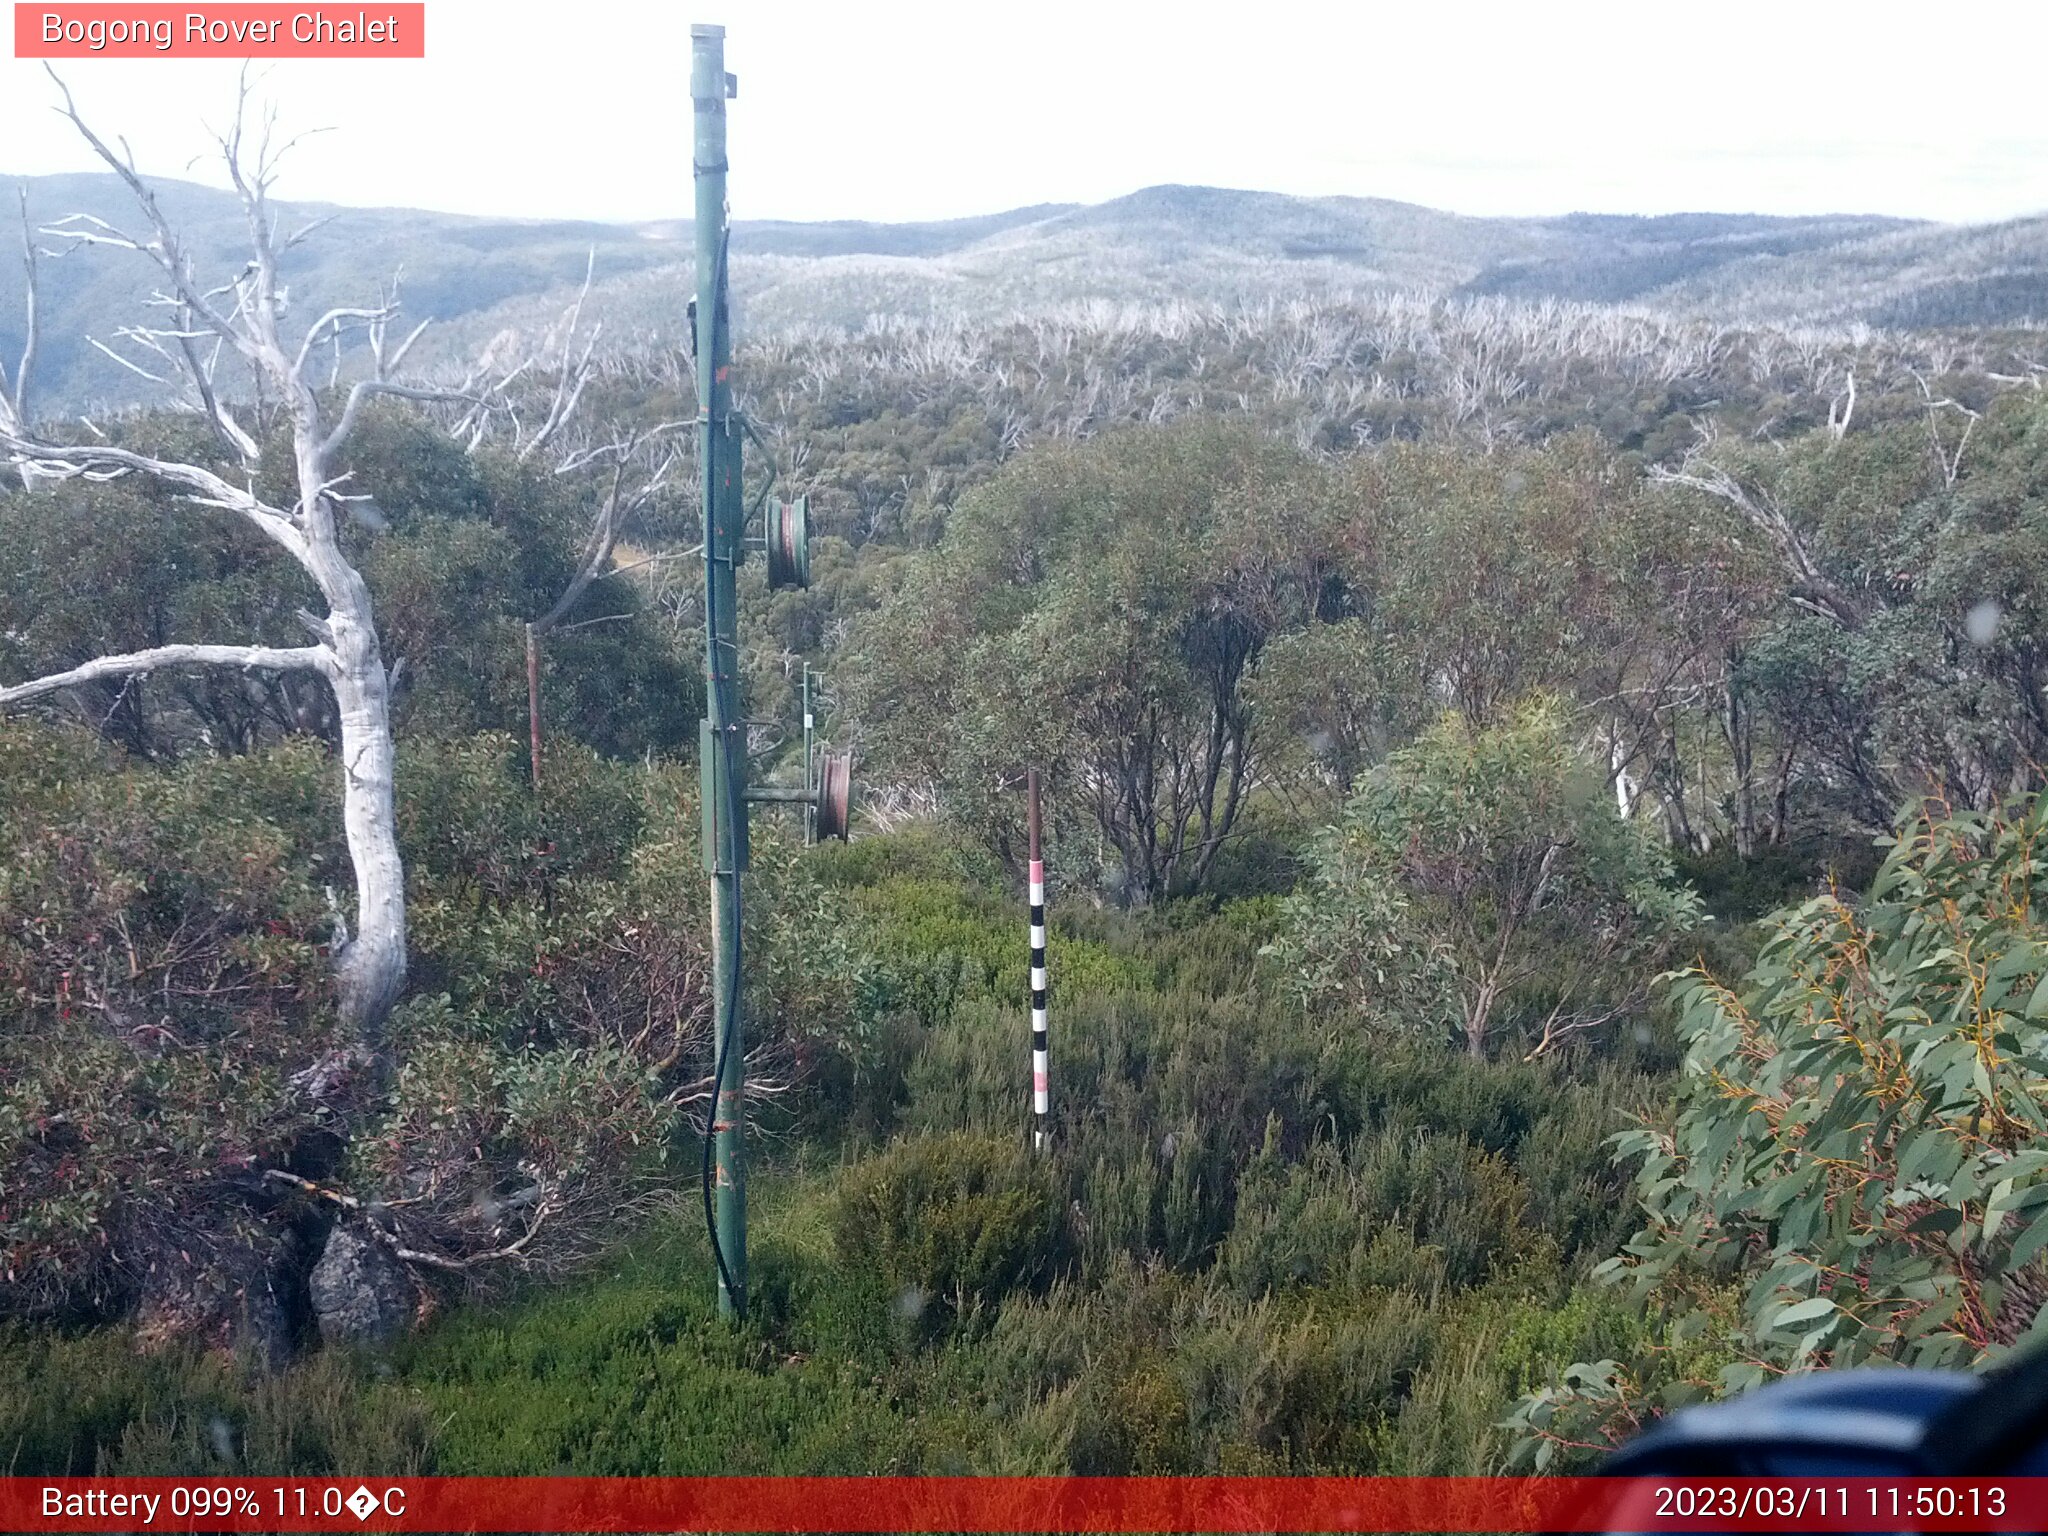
(1981, 622)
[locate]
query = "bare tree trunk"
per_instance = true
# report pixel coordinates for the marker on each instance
(15, 400)
(1477, 1017)
(1624, 786)
(370, 965)
(1812, 588)
(1479, 1012)
(533, 700)
(1781, 797)
(1671, 769)
(1737, 726)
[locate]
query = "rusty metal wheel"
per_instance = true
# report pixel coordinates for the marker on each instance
(789, 544)
(835, 795)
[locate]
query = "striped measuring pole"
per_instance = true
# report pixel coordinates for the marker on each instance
(1041, 1087)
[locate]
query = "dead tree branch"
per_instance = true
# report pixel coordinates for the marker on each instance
(616, 508)
(162, 658)
(1813, 588)
(15, 397)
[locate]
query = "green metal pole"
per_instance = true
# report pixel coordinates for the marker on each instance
(810, 814)
(722, 740)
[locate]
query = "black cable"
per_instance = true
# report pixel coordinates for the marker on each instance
(734, 809)
(720, 1058)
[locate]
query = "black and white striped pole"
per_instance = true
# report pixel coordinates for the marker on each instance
(1041, 1086)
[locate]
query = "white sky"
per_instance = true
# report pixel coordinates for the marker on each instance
(900, 109)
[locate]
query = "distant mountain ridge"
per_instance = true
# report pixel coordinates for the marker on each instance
(476, 276)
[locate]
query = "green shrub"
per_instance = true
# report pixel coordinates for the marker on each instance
(1743, 889)
(473, 826)
(162, 977)
(1303, 1387)
(1138, 1425)
(1157, 1099)
(633, 1373)
(1400, 1210)
(951, 1219)
(89, 1404)
(925, 922)
(914, 853)
(1153, 1371)
(1262, 861)
(1481, 879)
(1856, 1139)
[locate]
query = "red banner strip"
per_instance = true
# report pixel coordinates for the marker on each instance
(999, 1504)
(379, 30)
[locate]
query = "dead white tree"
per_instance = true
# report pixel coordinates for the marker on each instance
(1812, 587)
(572, 372)
(14, 396)
(512, 361)
(1950, 459)
(243, 319)
(1842, 408)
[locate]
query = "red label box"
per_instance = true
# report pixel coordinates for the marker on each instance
(995, 1506)
(378, 30)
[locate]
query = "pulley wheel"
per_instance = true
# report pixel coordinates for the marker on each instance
(835, 795)
(789, 544)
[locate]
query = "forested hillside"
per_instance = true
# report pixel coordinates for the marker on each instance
(1188, 245)
(1541, 806)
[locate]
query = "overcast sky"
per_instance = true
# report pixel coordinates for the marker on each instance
(894, 109)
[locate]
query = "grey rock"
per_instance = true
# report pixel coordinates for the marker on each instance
(361, 1291)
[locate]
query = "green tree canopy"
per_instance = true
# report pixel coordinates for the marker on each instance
(1480, 877)
(1096, 610)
